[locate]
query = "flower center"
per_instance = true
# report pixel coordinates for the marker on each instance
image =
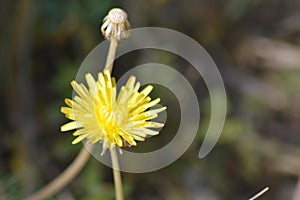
(110, 118)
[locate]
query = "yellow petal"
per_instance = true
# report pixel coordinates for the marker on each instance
(127, 136)
(153, 125)
(130, 83)
(136, 87)
(79, 132)
(107, 78)
(70, 126)
(143, 131)
(66, 110)
(118, 140)
(69, 102)
(91, 82)
(147, 90)
(144, 107)
(78, 139)
(79, 89)
(122, 96)
(138, 138)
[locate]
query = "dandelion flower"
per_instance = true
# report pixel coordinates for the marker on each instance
(116, 25)
(99, 115)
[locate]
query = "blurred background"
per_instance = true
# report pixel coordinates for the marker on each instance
(256, 46)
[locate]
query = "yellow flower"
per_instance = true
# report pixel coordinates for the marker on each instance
(100, 116)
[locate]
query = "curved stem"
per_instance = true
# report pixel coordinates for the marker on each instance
(117, 174)
(75, 167)
(64, 178)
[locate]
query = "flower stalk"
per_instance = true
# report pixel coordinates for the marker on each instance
(65, 177)
(109, 65)
(111, 54)
(99, 115)
(115, 27)
(113, 154)
(116, 174)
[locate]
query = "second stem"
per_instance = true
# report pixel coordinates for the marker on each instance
(117, 174)
(114, 157)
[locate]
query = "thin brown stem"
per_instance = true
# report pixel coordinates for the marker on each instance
(114, 157)
(64, 178)
(117, 174)
(70, 173)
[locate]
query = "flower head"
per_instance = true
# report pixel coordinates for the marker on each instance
(100, 116)
(116, 25)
